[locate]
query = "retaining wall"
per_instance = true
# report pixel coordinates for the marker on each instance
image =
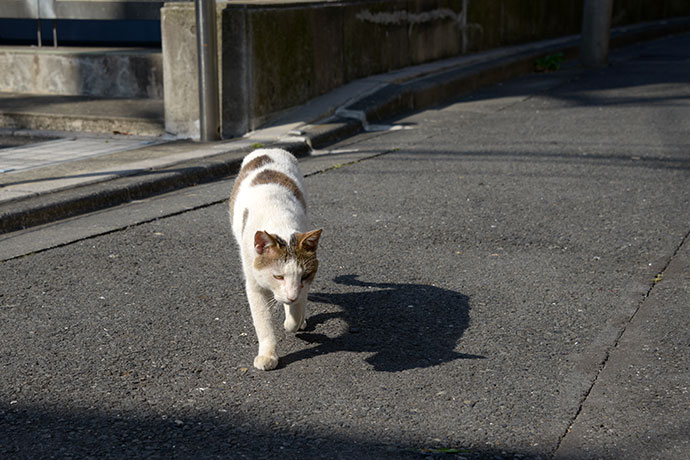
(274, 55)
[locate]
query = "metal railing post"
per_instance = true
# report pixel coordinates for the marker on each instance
(207, 57)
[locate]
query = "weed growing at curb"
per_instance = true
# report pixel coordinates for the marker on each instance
(550, 63)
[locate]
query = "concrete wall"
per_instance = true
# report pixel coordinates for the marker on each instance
(104, 72)
(632, 11)
(180, 74)
(275, 54)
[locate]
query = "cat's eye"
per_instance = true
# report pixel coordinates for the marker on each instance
(278, 277)
(305, 276)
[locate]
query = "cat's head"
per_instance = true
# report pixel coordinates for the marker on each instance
(286, 268)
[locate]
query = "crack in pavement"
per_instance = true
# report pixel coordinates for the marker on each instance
(604, 362)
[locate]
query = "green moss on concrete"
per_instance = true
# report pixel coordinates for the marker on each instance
(233, 64)
(496, 23)
(633, 11)
(438, 33)
(484, 24)
(373, 46)
(294, 55)
(282, 46)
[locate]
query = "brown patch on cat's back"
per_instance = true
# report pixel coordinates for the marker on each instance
(251, 165)
(245, 216)
(256, 163)
(271, 176)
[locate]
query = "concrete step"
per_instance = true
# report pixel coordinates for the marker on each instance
(91, 89)
(137, 116)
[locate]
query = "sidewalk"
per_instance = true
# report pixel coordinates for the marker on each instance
(83, 173)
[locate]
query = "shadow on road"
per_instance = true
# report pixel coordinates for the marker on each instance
(28, 432)
(406, 326)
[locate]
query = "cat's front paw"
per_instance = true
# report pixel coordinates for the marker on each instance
(293, 326)
(266, 362)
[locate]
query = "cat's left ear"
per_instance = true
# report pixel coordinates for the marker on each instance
(309, 241)
(263, 241)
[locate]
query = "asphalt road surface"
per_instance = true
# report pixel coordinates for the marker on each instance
(504, 276)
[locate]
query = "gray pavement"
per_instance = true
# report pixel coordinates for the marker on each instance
(503, 276)
(79, 173)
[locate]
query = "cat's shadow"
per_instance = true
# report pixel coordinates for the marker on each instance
(406, 326)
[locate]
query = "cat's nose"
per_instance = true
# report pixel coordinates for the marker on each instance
(291, 300)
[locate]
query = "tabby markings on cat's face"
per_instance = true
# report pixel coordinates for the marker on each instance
(288, 268)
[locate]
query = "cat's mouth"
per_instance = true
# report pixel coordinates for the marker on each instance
(285, 300)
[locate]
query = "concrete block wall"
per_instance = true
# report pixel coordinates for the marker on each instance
(632, 11)
(100, 72)
(276, 54)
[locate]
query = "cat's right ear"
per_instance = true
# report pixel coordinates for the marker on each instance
(310, 240)
(262, 241)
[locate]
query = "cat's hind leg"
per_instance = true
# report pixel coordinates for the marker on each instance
(295, 317)
(267, 358)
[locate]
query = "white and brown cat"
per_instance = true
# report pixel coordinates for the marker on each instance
(268, 211)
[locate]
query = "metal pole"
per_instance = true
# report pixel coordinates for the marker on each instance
(38, 30)
(596, 33)
(38, 23)
(207, 57)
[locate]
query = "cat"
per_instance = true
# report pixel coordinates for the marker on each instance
(268, 213)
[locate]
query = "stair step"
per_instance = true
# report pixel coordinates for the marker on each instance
(137, 116)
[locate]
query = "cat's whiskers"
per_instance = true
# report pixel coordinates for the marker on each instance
(273, 303)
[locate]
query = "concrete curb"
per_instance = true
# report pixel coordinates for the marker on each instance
(58, 205)
(432, 89)
(40, 112)
(143, 126)
(423, 90)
